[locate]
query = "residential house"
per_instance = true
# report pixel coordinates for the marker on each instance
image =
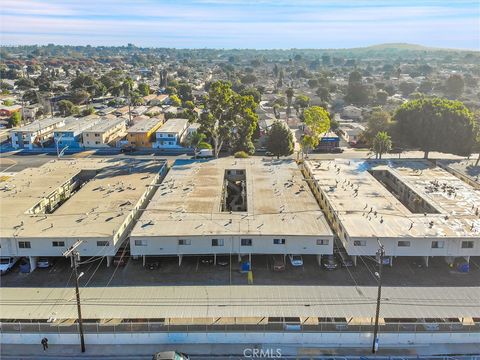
(36, 134)
(171, 134)
(104, 133)
(142, 133)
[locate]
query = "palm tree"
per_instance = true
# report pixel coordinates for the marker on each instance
(382, 143)
(195, 140)
(289, 92)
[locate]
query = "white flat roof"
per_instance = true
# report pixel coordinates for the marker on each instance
(105, 124)
(188, 202)
(97, 209)
(144, 126)
(39, 124)
(339, 179)
(78, 125)
(175, 125)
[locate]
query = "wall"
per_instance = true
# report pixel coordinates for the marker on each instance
(326, 339)
(157, 245)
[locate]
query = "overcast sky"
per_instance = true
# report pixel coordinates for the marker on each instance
(242, 24)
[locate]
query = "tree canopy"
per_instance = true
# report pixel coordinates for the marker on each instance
(317, 119)
(230, 118)
(435, 124)
(377, 121)
(382, 143)
(280, 140)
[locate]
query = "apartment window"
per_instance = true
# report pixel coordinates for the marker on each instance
(217, 242)
(322, 242)
(246, 242)
(24, 244)
(279, 241)
(97, 135)
(438, 244)
(467, 244)
(170, 135)
(360, 243)
(403, 243)
(140, 242)
(58, 243)
(103, 243)
(184, 242)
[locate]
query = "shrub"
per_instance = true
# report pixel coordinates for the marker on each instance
(241, 155)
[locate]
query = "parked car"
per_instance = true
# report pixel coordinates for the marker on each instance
(7, 263)
(278, 262)
(329, 262)
(170, 355)
(43, 263)
(296, 260)
(336, 150)
(343, 258)
(127, 149)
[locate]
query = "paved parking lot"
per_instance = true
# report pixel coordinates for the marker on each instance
(194, 271)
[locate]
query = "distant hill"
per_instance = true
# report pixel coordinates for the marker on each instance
(406, 46)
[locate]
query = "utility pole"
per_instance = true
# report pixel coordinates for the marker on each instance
(380, 255)
(73, 255)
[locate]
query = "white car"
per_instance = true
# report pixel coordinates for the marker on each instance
(43, 263)
(296, 260)
(6, 264)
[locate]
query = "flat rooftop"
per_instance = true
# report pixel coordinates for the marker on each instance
(197, 302)
(466, 168)
(105, 124)
(78, 125)
(97, 209)
(173, 126)
(366, 208)
(188, 202)
(144, 126)
(39, 124)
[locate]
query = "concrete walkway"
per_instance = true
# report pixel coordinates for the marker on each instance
(217, 351)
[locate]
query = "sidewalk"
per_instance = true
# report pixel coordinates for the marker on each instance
(219, 351)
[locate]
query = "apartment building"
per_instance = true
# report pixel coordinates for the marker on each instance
(142, 133)
(411, 207)
(36, 134)
(104, 133)
(71, 134)
(45, 210)
(171, 134)
(232, 206)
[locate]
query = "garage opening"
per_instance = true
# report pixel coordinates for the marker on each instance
(234, 194)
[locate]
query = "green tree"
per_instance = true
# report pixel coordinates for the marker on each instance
(382, 97)
(382, 143)
(67, 108)
(357, 92)
(308, 143)
(79, 97)
(184, 92)
(230, 118)
(289, 93)
(279, 140)
(24, 83)
(88, 111)
(194, 140)
(324, 94)
(317, 119)
(144, 89)
(175, 101)
(435, 124)
(377, 121)
(15, 119)
(189, 104)
(407, 87)
(454, 85)
(301, 102)
(257, 96)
